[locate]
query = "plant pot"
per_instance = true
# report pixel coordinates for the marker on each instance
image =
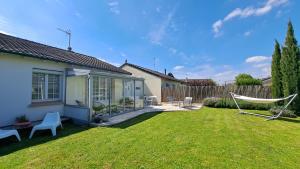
(101, 118)
(104, 117)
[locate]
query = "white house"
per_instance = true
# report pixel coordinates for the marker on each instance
(154, 81)
(36, 79)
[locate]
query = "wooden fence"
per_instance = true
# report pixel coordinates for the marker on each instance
(201, 92)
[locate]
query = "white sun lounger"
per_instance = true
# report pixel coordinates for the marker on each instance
(51, 121)
(8, 133)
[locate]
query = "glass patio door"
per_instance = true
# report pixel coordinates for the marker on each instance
(117, 96)
(139, 94)
(129, 95)
(101, 94)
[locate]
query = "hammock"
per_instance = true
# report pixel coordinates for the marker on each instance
(261, 100)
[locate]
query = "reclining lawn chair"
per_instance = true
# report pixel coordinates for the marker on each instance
(8, 133)
(51, 121)
(261, 100)
(170, 100)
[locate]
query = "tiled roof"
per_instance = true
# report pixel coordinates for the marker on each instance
(199, 82)
(266, 78)
(14, 45)
(153, 72)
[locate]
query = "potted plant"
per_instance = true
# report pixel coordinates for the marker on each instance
(22, 121)
(128, 101)
(100, 113)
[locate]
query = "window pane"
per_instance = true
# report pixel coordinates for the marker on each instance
(53, 86)
(38, 86)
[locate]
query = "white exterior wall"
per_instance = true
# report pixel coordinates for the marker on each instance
(152, 84)
(76, 90)
(16, 87)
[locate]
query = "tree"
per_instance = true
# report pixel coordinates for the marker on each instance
(289, 65)
(246, 79)
(276, 72)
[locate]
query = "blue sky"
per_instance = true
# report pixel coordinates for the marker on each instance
(212, 39)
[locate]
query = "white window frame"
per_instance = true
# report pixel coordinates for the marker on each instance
(105, 97)
(46, 73)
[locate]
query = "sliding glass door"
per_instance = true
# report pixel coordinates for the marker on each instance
(129, 95)
(101, 94)
(139, 94)
(117, 97)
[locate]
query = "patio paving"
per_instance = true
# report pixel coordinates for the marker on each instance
(165, 107)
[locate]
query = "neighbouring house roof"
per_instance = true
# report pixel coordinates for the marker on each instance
(199, 82)
(152, 72)
(267, 81)
(266, 78)
(14, 45)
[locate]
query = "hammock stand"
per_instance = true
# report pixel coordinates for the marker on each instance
(261, 100)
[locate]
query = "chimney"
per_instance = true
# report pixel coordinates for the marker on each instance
(165, 71)
(125, 60)
(69, 49)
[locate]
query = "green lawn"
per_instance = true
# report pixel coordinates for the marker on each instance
(207, 138)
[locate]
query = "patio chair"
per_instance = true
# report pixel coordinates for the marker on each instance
(170, 100)
(187, 101)
(149, 100)
(51, 121)
(8, 133)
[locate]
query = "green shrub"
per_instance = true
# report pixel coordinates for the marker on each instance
(210, 102)
(100, 109)
(128, 101)
(229, 103)
(286, 113)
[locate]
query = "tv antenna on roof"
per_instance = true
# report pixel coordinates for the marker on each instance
(68, 33)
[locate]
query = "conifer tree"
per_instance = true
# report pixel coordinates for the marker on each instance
(276, 72)
(289, 65)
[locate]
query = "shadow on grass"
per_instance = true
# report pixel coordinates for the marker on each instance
(293, 120)
(287, 119)
(10, 145)
(136, 120)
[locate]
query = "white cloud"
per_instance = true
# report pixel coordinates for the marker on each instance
(112, 63)
(219, 73)
(216, 27)
(4, 32)
(257, 59)
(177, 68)
(114, 7)
(157, 9)
(247, 33)
(247, 12)
(78, 14)
(259, 66)
(116, 64)
(123, 54)
(262, 65)
(144, 12)
(173, 50)
(157, 35)
(4, 25)
(224, 73)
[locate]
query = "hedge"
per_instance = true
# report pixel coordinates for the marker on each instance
(229, 103)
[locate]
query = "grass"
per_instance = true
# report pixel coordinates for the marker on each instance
(207, 138)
